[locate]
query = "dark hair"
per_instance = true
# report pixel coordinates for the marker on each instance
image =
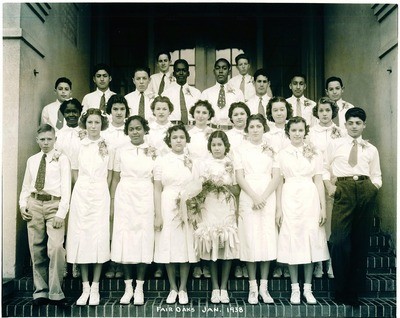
(299, 75)
(206, 104)
(276, 99)
(219, 134)
(163, 53)
(296, 120)
(141, 68)
(101, 66)
(94, 111)
(72, 101)
(259, 72)
(117, 99)
(143, 122)
(238, 105)
(326, 100)
(181, 61)
(222, 60)
(356, 112)
(258, 117)
(333, 79)
(63, 80)
(162, 99)
(167, 138)
(241, 56)
(45, 128)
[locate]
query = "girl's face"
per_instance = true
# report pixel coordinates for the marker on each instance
(297, 132)
(239, 117)
(71, 115)
(161, 112)
(324, 114)
(255, 130)
(93, 126)
(136, 132)
(201, 115)
(118, 113)
(218, 148)
(279, 112)
(178, 141)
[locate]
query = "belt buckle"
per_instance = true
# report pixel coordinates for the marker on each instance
(355, 178)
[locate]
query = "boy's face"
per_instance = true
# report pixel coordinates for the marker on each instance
(102, 80)
(181, 73)
(334, 90)
(63, 92)
(46, 141)
(355, 127)
(163, 63)
(243, 66)
(298, 86)
(221, 72)
(261, 83)
(141, 80)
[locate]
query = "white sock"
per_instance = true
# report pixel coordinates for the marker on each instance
(296, 286)
(139, 284)
(95, 287)
(252, 284)
(307, 287)
(85, 285)
(263, 283)
(128, 283)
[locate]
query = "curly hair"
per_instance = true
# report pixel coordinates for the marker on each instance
(167, 138)
(326, 100)
(219, 134)
(296, 120)
(94, 111)
(143, 122)
(258, 117)
(277, 99)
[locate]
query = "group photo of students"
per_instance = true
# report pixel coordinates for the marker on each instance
(229, 182)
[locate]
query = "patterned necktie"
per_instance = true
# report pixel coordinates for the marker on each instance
(162, 85)
(353, 154)
(184, 113)
(41, 175)
(298, 108)
(336, 119)
(260, 107)
(102, 106)
(60, 120)
(141, 105)
(221, 97)
(242, 84)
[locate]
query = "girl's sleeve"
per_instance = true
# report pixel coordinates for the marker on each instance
(117, 161)
(75, 158)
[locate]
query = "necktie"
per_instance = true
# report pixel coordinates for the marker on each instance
(162, 85)
(221, 97)
(184, 114)
(141, 105)
(41, 175)
(260, 107)
(103, 103)
(336, 119)
(298, 108)
(242, 83)
(353, 154)
(60, 120)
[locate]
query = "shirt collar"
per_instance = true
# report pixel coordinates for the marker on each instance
(86, 141)
(107, 92)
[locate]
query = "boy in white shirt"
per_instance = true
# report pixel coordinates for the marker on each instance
(258, 103)
(160, 81)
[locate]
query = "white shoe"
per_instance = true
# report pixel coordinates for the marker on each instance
(206, 272)
(308, 295)
(171, 299)
(253, 297)
(158, 273)
(82, 301)
(126, 298)
(318, 270)
(266, 297)
(197, 272)
(286, 272)
(244, 271)
(215, 296)
(183, 297)
(138, 298)
(94, 298)
(224, 297)
(238, 272)
(295, 297)
(277, 272)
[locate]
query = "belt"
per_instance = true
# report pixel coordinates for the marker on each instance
(353, 178)
(44, 197)
(176, 122)
(223, 127)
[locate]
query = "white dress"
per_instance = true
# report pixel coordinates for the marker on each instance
(68, 141)
(156, 136)
(174, 243)
(216, 236)
(197, 147)
(115, 136)
(301, 239)
(133, 234)
(257, 230)
(88, 239)
(277, 138)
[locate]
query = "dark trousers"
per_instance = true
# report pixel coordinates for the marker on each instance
(352, 219)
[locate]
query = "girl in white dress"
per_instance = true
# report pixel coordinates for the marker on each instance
(258, 176)
(302, 238)
(321, 135)
(216, 237)
(132, 183)
(174, 236)
(88, 240)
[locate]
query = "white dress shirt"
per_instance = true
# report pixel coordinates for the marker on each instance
(249, 89)
(133, 100)
(307, 106)
(50, 115)
(92, 100)
(254, 102)
(191, 95)
(343, 107)
(337, 156)
(68, 140)
(155, 81)
(57, 182)
(115, 136)
(232, 95)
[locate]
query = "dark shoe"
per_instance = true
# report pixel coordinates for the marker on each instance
(352, 301)
(60, 303)
(40, 301)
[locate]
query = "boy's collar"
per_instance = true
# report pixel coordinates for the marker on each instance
(106, 91)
